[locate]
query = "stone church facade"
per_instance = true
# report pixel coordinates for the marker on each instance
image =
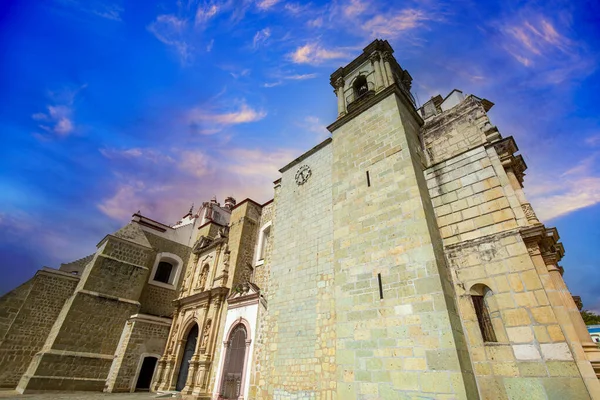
(398, 259)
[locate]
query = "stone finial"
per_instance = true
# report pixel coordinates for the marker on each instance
(230, 202)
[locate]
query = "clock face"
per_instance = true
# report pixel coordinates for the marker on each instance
(303, 174)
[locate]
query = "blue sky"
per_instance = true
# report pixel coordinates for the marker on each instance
(109, 107)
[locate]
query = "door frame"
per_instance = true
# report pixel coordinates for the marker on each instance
(139, 369)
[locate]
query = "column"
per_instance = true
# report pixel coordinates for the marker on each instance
(525, 205)
(339, 83)
(388, 68)
(159, 375)
(377, 68)
(580, 327)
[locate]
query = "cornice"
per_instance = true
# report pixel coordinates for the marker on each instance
(371, 101)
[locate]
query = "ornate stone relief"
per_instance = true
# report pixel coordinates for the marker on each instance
(529, 213)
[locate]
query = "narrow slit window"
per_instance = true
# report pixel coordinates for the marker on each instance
(380, 286)
(483, 317)
(368, 179)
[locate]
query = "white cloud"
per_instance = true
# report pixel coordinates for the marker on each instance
(215, 121)
(125, 202)
(300, 77)
(242, 73)
(315, 126)
(315, 23)
(58, 119)
(169, 29)
(195, 163)
(294, 8)
(593, 140)
(313, 53)
(112, 12)
(136, 153)
(204, 13)
(542, 44)
(574, 189)
(272, 84)
(292, 77)
(210, 45)
(195, 177)
(390, 25)
(261, 37)
(354, 8)
(96, 7)
(266, 4)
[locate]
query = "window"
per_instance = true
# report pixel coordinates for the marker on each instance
(166, 270)
(266, 233)
(360, 87)
(264, 239)
(483, 317)
(163, 272)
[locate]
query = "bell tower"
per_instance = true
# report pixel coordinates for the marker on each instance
(370, 73)
(398, 331)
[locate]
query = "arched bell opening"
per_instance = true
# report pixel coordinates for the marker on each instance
(360, 87)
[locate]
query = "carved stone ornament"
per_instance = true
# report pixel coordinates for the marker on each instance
(375, 56)
(303, 174)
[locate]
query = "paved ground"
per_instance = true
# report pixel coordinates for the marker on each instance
(9, 394)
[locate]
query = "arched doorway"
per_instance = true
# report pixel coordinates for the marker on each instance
(188, 352)
(146, 372)
(231, 383)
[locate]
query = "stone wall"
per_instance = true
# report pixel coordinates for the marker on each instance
(157, 300)
(451, 133)
(31, 310)
(243, 233)
(531, 353)
(405, 339)
(85, 335)
(472, 196)
(262, 271)
(142, 336)
(262, 279)
(299, 358)
(480, 219)
(11, 303)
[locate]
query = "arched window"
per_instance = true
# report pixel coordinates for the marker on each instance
(165, 272)
(233, 371)
(360, 86)
(480, 295)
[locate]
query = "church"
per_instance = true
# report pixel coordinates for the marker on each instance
(398, 259)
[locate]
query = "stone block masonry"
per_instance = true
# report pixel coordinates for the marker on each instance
(79, 349)
(407, 340)
(30, 311)
(299, 360)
